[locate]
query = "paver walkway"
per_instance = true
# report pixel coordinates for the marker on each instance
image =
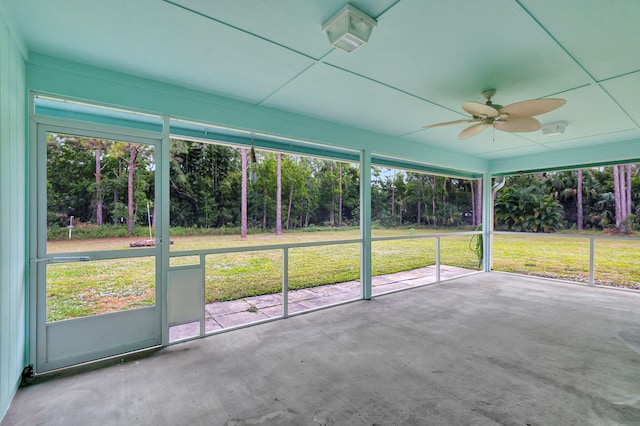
(219, 315)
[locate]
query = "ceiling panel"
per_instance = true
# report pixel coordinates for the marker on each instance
(424, 59)
(449, 51)
(488, 141)
(591, 140)
(514, 152)
(158, 40)
(332, 94)
(292, 23)
(626, 91)
(602, 35)
(588, 111)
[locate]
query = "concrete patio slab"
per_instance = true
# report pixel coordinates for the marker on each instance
(390, 287)
(499, 349)
(184, 331)
(265, 301)
(240, 318)
(270, 305)
(327, 300)
(300, 295)
(272, 311)
(382, 279)
(224, 308)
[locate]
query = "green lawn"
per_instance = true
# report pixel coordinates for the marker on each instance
(617, 261)
(80, 289)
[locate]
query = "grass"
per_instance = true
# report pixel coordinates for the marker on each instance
(617, 262)
(81, 289)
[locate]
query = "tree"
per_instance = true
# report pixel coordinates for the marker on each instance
(629, 192)
(243, 194)
(579, 207)
(131, 167)
(616, 191)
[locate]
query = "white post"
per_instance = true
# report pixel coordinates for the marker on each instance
(437, 259)
(70, 225)
(365, 224)
(285, 282)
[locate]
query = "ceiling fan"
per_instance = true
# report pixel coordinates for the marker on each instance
(517, 117)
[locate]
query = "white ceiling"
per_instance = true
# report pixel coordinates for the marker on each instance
(422, 62)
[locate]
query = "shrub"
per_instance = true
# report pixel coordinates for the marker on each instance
(528, 209)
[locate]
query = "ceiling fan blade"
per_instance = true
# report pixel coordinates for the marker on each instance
(518, 124)
(472, 130)
(479, 110)
(532, 107)
(447, 123)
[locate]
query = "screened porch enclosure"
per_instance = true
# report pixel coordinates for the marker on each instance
(345, 225)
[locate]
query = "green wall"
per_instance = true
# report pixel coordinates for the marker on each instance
(13, 261)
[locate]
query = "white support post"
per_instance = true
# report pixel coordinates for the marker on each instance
(162, 228)
(285, 282)
(203, 312)
(365, 224)
(437, 259)
(592, 260)
(487, 222)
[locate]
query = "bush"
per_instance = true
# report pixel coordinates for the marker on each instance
(528, 209)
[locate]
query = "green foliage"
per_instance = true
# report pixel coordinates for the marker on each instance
(476, 244)
(527, 209)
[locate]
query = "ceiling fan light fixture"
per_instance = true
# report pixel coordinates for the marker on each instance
(554, 129)
(349, 28)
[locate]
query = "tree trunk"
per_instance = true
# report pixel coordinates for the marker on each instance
(116, 200)
(279, 194)
(478, 218)
(243, 194)
(340, 194)
(629, 200)
(332, 214)
(264, 208)
(432, 183)
(99, 194)
(306, 218)
(393, 201)
(131, 164)
(419, 200)
(623, 193)
(616, 192)
(579, 200)
(289, 207)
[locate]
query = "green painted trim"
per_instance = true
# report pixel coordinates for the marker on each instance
(570, 158)
(573, 167)
(267, 144)
(95, 118)
(426, 168)
(84, 83)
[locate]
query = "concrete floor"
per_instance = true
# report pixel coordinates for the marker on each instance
(219, 315)
(487, 349)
